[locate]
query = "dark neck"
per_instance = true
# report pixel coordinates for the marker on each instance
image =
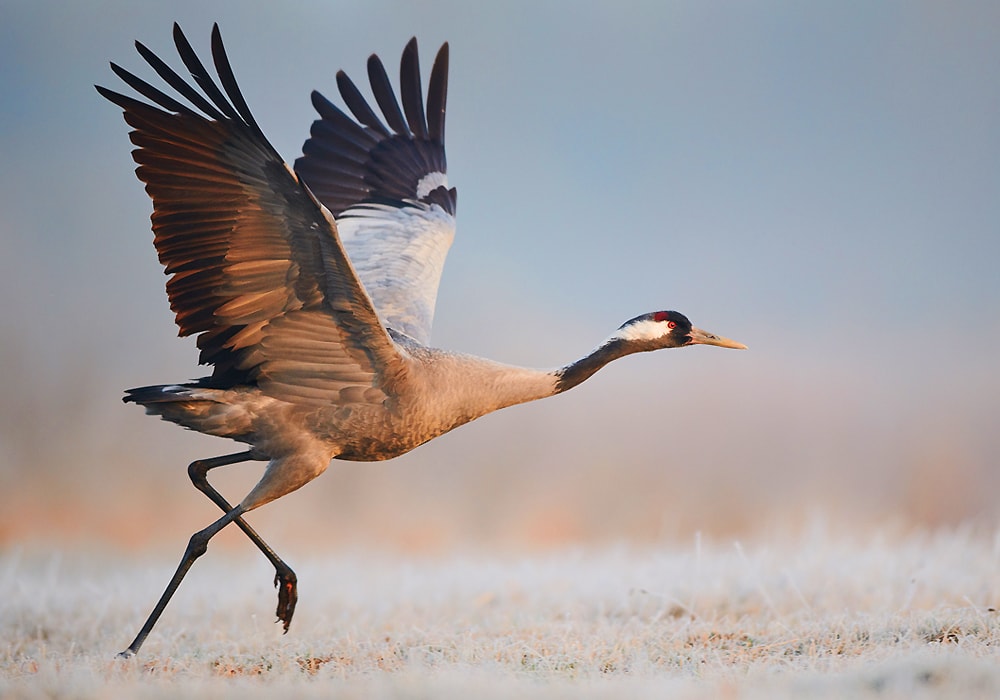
(584, 368)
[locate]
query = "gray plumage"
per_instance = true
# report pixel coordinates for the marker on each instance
(311, 291)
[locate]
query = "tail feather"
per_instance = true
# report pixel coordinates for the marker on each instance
(159, 393)
(194, 406)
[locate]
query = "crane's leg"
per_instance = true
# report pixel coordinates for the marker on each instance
(284, 578)
(197, 545)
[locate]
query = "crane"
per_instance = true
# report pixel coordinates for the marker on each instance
(311, 290)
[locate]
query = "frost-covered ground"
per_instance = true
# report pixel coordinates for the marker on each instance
(809, 615)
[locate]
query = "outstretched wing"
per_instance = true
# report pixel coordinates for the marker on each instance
(256, 269)
(387, 187)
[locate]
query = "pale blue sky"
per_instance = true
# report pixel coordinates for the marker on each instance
(818, 180)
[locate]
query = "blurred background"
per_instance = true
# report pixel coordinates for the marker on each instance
(818, 180)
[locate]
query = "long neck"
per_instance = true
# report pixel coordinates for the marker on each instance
(464, 387)
(529, 384)
(572, 374)
(523, 384)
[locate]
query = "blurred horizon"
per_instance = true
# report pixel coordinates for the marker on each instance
(817, 181)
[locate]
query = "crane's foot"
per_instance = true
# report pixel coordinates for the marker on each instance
(288, 595)
(125, 655)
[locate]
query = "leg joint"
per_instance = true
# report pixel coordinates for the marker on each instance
(197, 545)
(197, 471)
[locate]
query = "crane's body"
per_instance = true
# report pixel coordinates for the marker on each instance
(357, 430)
(311, 290)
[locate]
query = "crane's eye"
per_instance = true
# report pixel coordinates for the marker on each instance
(671, 324)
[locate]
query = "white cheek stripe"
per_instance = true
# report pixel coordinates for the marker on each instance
(642, 330)
(430, 182)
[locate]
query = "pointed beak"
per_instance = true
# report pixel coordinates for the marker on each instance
(700, 337)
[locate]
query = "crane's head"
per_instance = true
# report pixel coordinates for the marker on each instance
(653, 331)
(668, 329)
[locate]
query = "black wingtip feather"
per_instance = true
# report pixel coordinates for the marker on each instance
(359, 107)
(150, 92)
(348, 161)
(201, 74)
(326, 109)
(384, 95)
(411, 92)
(228, 78)
(178, 83)
(218, 106)
(437, 95)
(115, 97)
